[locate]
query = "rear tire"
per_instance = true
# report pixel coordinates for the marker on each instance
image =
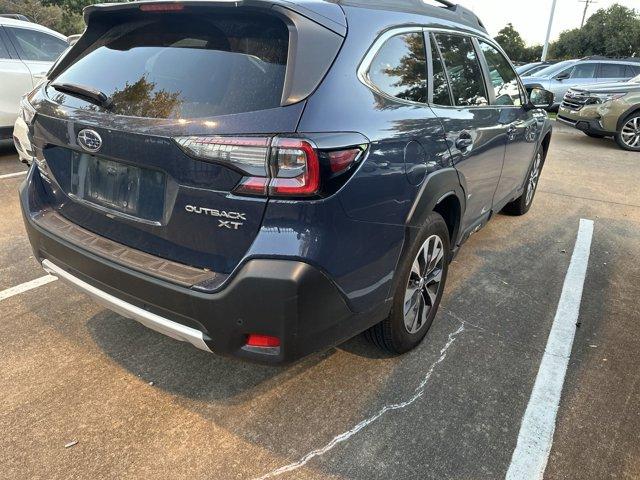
(522, 204)
(628, 137)
(421, 279)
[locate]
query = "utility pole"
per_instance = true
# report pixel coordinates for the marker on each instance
(545, 49)
(586, 6)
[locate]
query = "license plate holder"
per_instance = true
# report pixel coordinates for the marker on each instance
(118, 187)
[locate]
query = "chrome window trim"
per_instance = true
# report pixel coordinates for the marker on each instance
(365, 64)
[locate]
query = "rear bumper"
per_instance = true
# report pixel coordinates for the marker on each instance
(289, 299)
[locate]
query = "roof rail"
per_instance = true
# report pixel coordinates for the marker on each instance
(602, 57)
(421, 7)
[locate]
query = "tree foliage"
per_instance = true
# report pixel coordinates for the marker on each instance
(612, 32)
(51, 16)
(513, 45)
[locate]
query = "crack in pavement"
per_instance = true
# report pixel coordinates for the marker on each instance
(418, 392)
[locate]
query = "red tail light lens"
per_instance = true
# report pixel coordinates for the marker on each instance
(340, 160)
(162, 7)
(283, 167)
(262, 341)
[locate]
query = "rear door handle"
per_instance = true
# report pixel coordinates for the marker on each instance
(464, 140)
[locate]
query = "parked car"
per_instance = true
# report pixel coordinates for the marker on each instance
(27, 51)
(559, 78)
(606, 110)
(15, 16)
(532, 68)
(197, 172)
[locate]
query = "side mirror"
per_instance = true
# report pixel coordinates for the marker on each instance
(540, 98)
(563, 76)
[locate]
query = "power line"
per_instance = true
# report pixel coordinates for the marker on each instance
(586, 6)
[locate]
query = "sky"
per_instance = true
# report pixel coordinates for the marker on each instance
(531, 17)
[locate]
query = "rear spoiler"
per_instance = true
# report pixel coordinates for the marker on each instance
(326, 14)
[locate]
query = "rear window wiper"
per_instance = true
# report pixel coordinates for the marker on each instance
(87, 93)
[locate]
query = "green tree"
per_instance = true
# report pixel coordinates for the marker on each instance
(51, 16)
(512, 43)
(612, 32)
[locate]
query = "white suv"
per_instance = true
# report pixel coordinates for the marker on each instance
(27, 51)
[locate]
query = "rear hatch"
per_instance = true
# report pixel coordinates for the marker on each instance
(149, 125)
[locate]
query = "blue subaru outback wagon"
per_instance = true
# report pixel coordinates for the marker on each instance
(268, 178)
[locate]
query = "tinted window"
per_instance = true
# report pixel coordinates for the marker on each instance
(441, 94)
(612, 70)
(4, 53)
(584, 70)
(37, 46)
(461, 62)
(182, 66)
(631, 71)
(503, 78)
(399, 68)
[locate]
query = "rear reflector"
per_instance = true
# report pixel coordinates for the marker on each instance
(162, 7)
(262, 341)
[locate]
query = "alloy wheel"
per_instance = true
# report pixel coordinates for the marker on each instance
(424, 283)
(534, 176)
(630, 133)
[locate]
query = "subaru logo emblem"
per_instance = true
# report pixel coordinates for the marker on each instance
(89, 140)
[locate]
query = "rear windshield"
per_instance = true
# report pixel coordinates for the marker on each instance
(183, 66)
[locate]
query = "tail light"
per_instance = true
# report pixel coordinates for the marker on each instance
(285, 167)
(161, 7)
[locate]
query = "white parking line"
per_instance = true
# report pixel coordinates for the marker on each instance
(11, 175)
(535, 439)
(418, 392)
(23, 287)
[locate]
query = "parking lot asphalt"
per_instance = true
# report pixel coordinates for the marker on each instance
(140, 405)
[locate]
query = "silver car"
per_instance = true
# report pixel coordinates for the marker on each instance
(560, 77)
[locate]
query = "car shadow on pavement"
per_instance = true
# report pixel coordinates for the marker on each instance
(180, 368)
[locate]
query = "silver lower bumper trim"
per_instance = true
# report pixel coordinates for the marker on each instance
(151, 320)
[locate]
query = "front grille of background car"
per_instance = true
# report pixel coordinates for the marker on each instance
(574, 100)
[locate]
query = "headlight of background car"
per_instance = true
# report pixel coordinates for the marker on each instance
(605, 97)
(27, 112)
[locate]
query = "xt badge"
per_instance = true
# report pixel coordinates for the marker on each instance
(230, 220)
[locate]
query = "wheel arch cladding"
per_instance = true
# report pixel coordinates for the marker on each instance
(441, 192)
(623, 118)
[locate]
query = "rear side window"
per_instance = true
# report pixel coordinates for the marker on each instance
(441, 93)
(399, 68)
(37, 46)
(612, 70)
(584, 70)
(4, 53)
(504, 80)
(463, 68)
(631, 71)
(185, 66)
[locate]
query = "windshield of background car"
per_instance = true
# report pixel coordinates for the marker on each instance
(555, 68)
(184, 66)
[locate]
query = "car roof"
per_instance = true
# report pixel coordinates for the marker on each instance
(12, 22)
